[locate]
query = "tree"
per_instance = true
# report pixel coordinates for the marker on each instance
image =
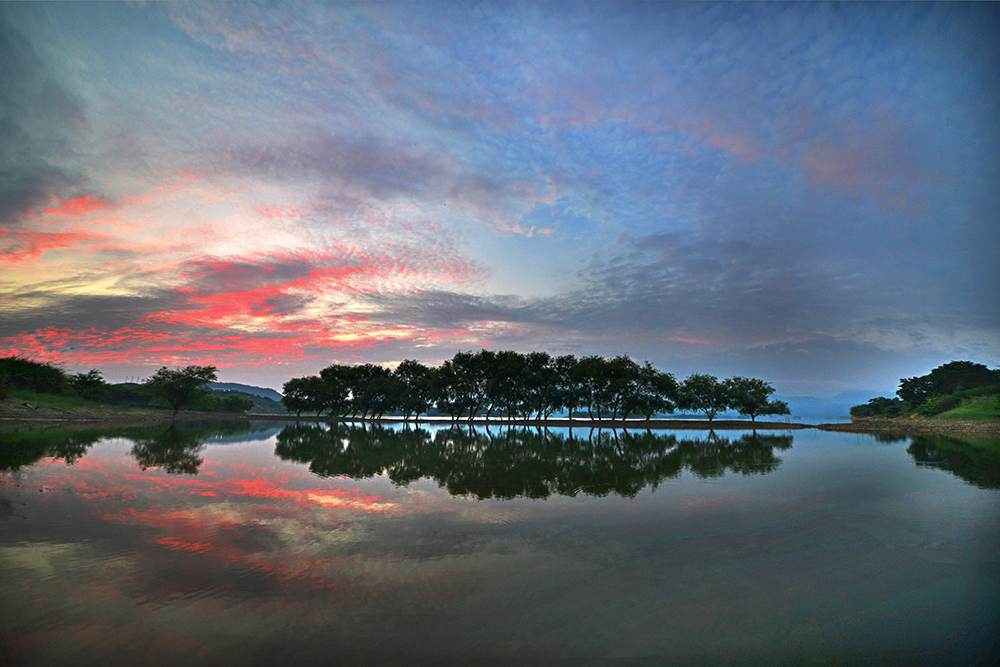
(657, 392)
(541, 384)
(751, 397)
(180, 388)
(775, 407)
(590, 374)
(333, 392)
(569, 392)
(879, 406)
(416, 387)
(89, 385)
(301, 394)
(704, 393)
(371, 389)
(946, 379)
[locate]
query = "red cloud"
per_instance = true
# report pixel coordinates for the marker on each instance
(24, 245)
(248, 312)
(77, 206)
(880, 162)
(127, 346)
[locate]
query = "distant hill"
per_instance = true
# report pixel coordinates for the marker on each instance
(266, 392)
(261, 404)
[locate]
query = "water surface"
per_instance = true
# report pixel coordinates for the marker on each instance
(305, 544)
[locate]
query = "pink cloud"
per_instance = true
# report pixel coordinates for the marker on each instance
(880, 162)
(710, 130)
(19, 246)
(77, 207)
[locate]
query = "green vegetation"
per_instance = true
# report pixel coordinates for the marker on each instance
(977, 407)
(36, 383)
(956, 390)
(485, 383)
(523, 386)
(173, 447)
(21, 373)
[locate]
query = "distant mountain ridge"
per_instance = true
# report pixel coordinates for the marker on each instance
(266, 392)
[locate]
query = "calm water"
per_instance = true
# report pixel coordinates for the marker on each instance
(304, 545)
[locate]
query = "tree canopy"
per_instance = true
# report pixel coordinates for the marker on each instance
(181, 387)
(515, 385)
(946, 387)
(750, 397)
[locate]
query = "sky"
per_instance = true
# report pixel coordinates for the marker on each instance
(807, 193)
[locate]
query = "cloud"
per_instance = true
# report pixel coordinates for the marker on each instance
(368, 168)
(38, 119)
(20, 246)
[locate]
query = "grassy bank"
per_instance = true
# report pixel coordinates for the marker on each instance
(22, 405)
(981, 407)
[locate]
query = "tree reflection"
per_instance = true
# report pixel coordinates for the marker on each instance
(524, 462)
(175, 448)
(977, 461)
(21, 449)
(172, 449)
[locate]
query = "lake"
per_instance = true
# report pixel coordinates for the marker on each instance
(275, 544)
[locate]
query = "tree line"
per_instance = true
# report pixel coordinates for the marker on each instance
(176, 389)
(515, 385)
(485, 383)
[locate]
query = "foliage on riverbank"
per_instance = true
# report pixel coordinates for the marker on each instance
(42, 386)
(956, 390)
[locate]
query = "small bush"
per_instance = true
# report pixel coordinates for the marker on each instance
(939, 404)
(991, 390)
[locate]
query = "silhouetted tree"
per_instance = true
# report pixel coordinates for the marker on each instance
(303, 394)
(334, 389)
(416, 387)
(180, 388)
(750, 397)
(704, 393)
(90, 385)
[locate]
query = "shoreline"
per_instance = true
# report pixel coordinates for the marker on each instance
(15, 413)
(918, 426)
(19, 415)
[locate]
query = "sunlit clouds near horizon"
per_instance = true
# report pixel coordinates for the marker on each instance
(798, 191)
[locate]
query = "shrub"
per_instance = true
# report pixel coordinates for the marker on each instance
(990, 390)
(233, 403)
(37, 376)
(938, 404)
